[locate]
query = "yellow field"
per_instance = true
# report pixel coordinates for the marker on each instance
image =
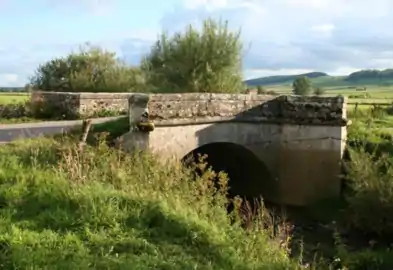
(10, 98)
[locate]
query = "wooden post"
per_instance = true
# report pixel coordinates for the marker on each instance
(85, 131)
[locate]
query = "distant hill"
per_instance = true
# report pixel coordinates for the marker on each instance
(361, 77)
(282, 79)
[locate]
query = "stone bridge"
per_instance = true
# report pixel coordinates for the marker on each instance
(287, 149)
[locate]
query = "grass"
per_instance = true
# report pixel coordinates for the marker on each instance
(102, 209)
(12, 98)
(19, 120)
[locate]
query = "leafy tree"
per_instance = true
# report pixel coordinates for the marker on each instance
(302, 86)
(318, 91)
(196, 61)
(261, 89)
(92, 69)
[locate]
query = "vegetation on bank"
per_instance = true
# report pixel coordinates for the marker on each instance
(101, 208)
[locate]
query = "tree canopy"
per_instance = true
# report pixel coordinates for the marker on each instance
(302, 86)
(196, 61)
(91, 69)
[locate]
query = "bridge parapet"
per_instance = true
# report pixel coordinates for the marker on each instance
(175, 109)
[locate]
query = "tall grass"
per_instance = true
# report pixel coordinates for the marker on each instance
(102, 209)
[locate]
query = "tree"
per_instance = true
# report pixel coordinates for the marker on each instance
(302, 86)
(318, 91)
(196, 61)
(261, 90)
(91, 69)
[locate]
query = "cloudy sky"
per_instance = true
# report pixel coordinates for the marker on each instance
(280, 36)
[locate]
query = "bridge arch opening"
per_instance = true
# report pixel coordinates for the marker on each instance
(248, 176)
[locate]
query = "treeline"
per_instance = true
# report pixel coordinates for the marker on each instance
(12, 89)
(370, 74)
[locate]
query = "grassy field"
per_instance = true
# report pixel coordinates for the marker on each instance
(377, 93)
(9, 98)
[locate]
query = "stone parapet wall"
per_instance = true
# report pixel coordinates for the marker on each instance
(64, 105)
(199, 107)
(93, 103)
(75, 105)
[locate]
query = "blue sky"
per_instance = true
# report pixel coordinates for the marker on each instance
(280, 36)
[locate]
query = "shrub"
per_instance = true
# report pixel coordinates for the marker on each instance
(261, 90)
(318, 91)
(92, 69)
(14, 110)
(196, 61)
(362, 96)
(273, 93)
(302, 86)
(370, 202)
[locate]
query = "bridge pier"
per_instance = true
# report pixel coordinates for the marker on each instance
(301, 140)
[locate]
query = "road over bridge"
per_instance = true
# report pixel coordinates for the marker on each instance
(10, 132)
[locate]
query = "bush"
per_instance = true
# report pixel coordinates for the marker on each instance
(318, 91)
(89, 70)
(103, 209)
(369, 177)
(196, 61)
(362, 96)
(302, 86)
(261, 90)
(370, 202)
(14, 110)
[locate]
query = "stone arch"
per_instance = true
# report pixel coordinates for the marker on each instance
(249, 177)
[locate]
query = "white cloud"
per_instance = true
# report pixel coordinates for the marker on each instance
(327, 27)
(10, 80)
(303, 35)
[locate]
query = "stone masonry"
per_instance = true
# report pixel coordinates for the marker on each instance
(74, 105)
(180, 108)
(300, 140)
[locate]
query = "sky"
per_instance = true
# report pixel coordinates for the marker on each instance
(279, 36)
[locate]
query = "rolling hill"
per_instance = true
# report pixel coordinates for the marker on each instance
(282, 79)
(358, 78)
